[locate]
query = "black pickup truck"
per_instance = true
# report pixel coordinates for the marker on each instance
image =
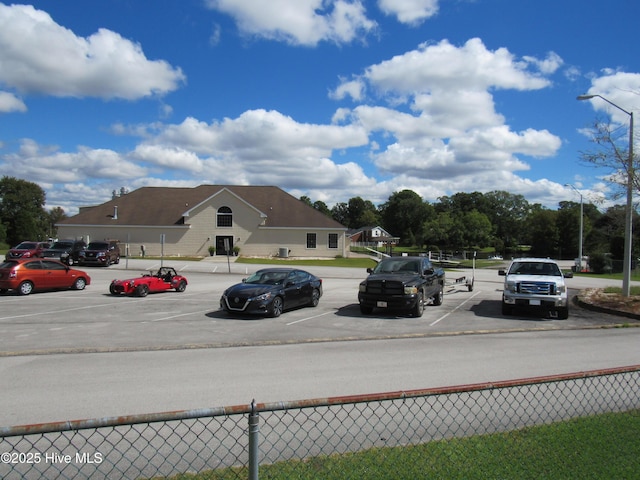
(402, 283)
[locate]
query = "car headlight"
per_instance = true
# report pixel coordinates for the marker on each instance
(362, 288)
(263, 297)
(511, 287)
(561, 288)
(410, 290)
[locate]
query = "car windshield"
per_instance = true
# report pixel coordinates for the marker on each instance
(26, 246)
(97, 246)
(399, 265)
(267, 278)
(61, 245)
(534, 268)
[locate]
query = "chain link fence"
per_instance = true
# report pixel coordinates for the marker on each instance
(238, 442)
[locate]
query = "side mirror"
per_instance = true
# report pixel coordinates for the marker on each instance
(502, 273)
(369, 270)
(429, 271)
(568, 275)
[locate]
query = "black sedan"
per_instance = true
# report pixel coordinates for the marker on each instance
(271, 291)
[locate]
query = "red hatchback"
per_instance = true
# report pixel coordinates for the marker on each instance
(26, 275)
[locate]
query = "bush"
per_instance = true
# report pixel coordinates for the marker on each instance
(600, 263)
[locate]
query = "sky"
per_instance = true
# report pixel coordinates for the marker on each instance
(331, 99)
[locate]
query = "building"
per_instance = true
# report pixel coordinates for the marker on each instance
(259, 221)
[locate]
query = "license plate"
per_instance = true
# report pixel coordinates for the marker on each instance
(534, 302)
(381, 304)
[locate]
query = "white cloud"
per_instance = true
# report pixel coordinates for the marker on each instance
(10, 103)
(412, 12)
(39, 56)
(622, 89)
(298, 22)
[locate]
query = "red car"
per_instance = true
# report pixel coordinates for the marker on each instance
(27, 250)
(164, 279)
(26, 275)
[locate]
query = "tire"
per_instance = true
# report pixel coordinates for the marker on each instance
(315, 298)
(112, 290)
(439, 297)
(276, 307)
(25, 288)
(418, 309)
(181, 286)
(117, 260)
(563, 313)
(142, 290)
(79, 284)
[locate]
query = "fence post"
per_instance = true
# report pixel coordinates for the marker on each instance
(254, 442)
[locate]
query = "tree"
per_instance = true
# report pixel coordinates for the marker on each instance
(22, 211)
(55, 215)
(611, 152)
(404, 215)
(543, 232)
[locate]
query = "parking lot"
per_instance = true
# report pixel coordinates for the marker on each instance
(93, 320)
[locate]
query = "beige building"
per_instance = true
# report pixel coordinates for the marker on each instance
(258, 220)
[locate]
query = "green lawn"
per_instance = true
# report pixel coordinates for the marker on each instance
(600, 447)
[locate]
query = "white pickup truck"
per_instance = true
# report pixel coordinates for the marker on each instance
(535, 283)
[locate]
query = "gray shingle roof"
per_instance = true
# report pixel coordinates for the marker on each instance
(156, 206)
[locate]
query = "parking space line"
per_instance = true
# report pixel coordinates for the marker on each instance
(308, 318)
(457, 307)
(178, 316)
(55, 311)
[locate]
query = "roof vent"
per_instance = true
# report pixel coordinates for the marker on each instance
(115, 213)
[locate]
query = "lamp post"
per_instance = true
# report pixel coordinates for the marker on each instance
(581, 226)
(628, 222)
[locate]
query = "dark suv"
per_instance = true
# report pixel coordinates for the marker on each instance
(26, 250)
(67, 251)
(103, 252)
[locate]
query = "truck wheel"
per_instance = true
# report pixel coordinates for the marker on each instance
(439, 297)
(418, 309)
(563, 313)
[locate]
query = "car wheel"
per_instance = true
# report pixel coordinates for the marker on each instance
(315, 298)
(79, 284)
(25, 288)
(276, 307)
(418, 309)
(112, 290)
(439, 297)
(366, 310)
(563, 313)
(181, 286)
(142, 290)
(117, 260)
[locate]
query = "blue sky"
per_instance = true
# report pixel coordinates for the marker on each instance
(326, 98)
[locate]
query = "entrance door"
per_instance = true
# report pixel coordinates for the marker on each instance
(222, 245)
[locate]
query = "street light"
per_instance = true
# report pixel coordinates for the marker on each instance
(628, 222)
(581, 226)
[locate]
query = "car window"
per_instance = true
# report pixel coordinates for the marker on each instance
(49, 265)
(33, 266)
(26, 246)
(8, 264)
(61, 245)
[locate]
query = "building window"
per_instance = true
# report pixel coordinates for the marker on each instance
(311, 240)
(333, 240)
(225, 217)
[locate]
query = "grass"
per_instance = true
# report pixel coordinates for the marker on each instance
(602, 446)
